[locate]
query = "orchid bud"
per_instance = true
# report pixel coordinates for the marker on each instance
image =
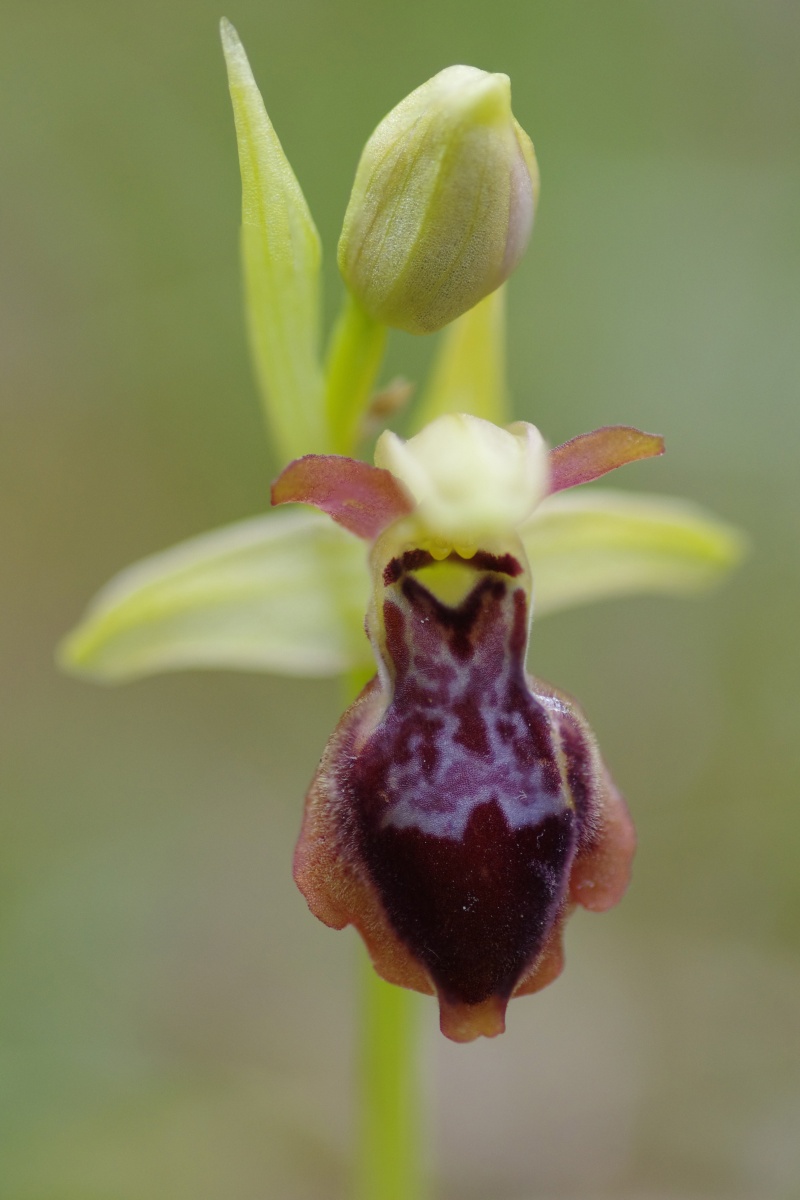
(442, 205)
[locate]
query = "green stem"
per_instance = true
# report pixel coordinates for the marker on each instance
(388, 1158)
(356, 353)
(388, 1163)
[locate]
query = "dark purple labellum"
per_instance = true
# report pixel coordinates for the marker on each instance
(465, 827)
(461, 808)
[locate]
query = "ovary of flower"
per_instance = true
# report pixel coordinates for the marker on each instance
(471, 481)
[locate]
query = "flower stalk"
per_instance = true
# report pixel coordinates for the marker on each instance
(356, 353)
(388, 1157)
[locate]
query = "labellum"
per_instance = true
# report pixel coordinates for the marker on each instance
(461, 808)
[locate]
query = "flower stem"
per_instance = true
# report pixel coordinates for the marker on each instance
(388, 1155)
(388, 1164)
(355, 356)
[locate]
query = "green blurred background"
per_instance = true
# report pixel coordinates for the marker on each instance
(175, 1026)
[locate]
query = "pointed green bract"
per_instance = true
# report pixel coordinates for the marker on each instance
(284, 593)
(281, 260)
(598, 543)
(469, 371)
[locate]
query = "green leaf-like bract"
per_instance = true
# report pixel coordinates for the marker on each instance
(281, 261)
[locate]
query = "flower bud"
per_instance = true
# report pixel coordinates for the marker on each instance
(442, 205)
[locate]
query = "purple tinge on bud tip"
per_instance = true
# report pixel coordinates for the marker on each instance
(362, 498)
(520, 214)
(587, 457)
(461, 808)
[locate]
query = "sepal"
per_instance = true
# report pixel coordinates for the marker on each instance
(600, 543)
(469, 370)
(284, 593)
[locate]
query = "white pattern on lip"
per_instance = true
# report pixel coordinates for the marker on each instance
(462, 728)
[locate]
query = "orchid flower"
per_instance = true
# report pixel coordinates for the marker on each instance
(461, 808)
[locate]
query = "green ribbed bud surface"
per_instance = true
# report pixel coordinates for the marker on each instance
(442, 205)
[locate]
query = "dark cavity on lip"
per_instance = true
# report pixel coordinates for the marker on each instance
(475, 909)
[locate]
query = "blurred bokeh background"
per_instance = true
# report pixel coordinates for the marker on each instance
(175, 1026)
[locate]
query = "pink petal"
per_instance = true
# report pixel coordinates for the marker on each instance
(363, 498)
(591, 455)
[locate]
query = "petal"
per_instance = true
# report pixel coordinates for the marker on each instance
(362, 498)
(469, 371)
(281, 260)
(602, 543)
(284, 593)
(591, 455)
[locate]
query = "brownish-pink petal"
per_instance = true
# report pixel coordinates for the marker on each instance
(591, 455)
(362, 498)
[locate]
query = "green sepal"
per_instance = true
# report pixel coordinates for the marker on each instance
(598, 543)
(469, 370)
(281, 264)
(284, 593)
